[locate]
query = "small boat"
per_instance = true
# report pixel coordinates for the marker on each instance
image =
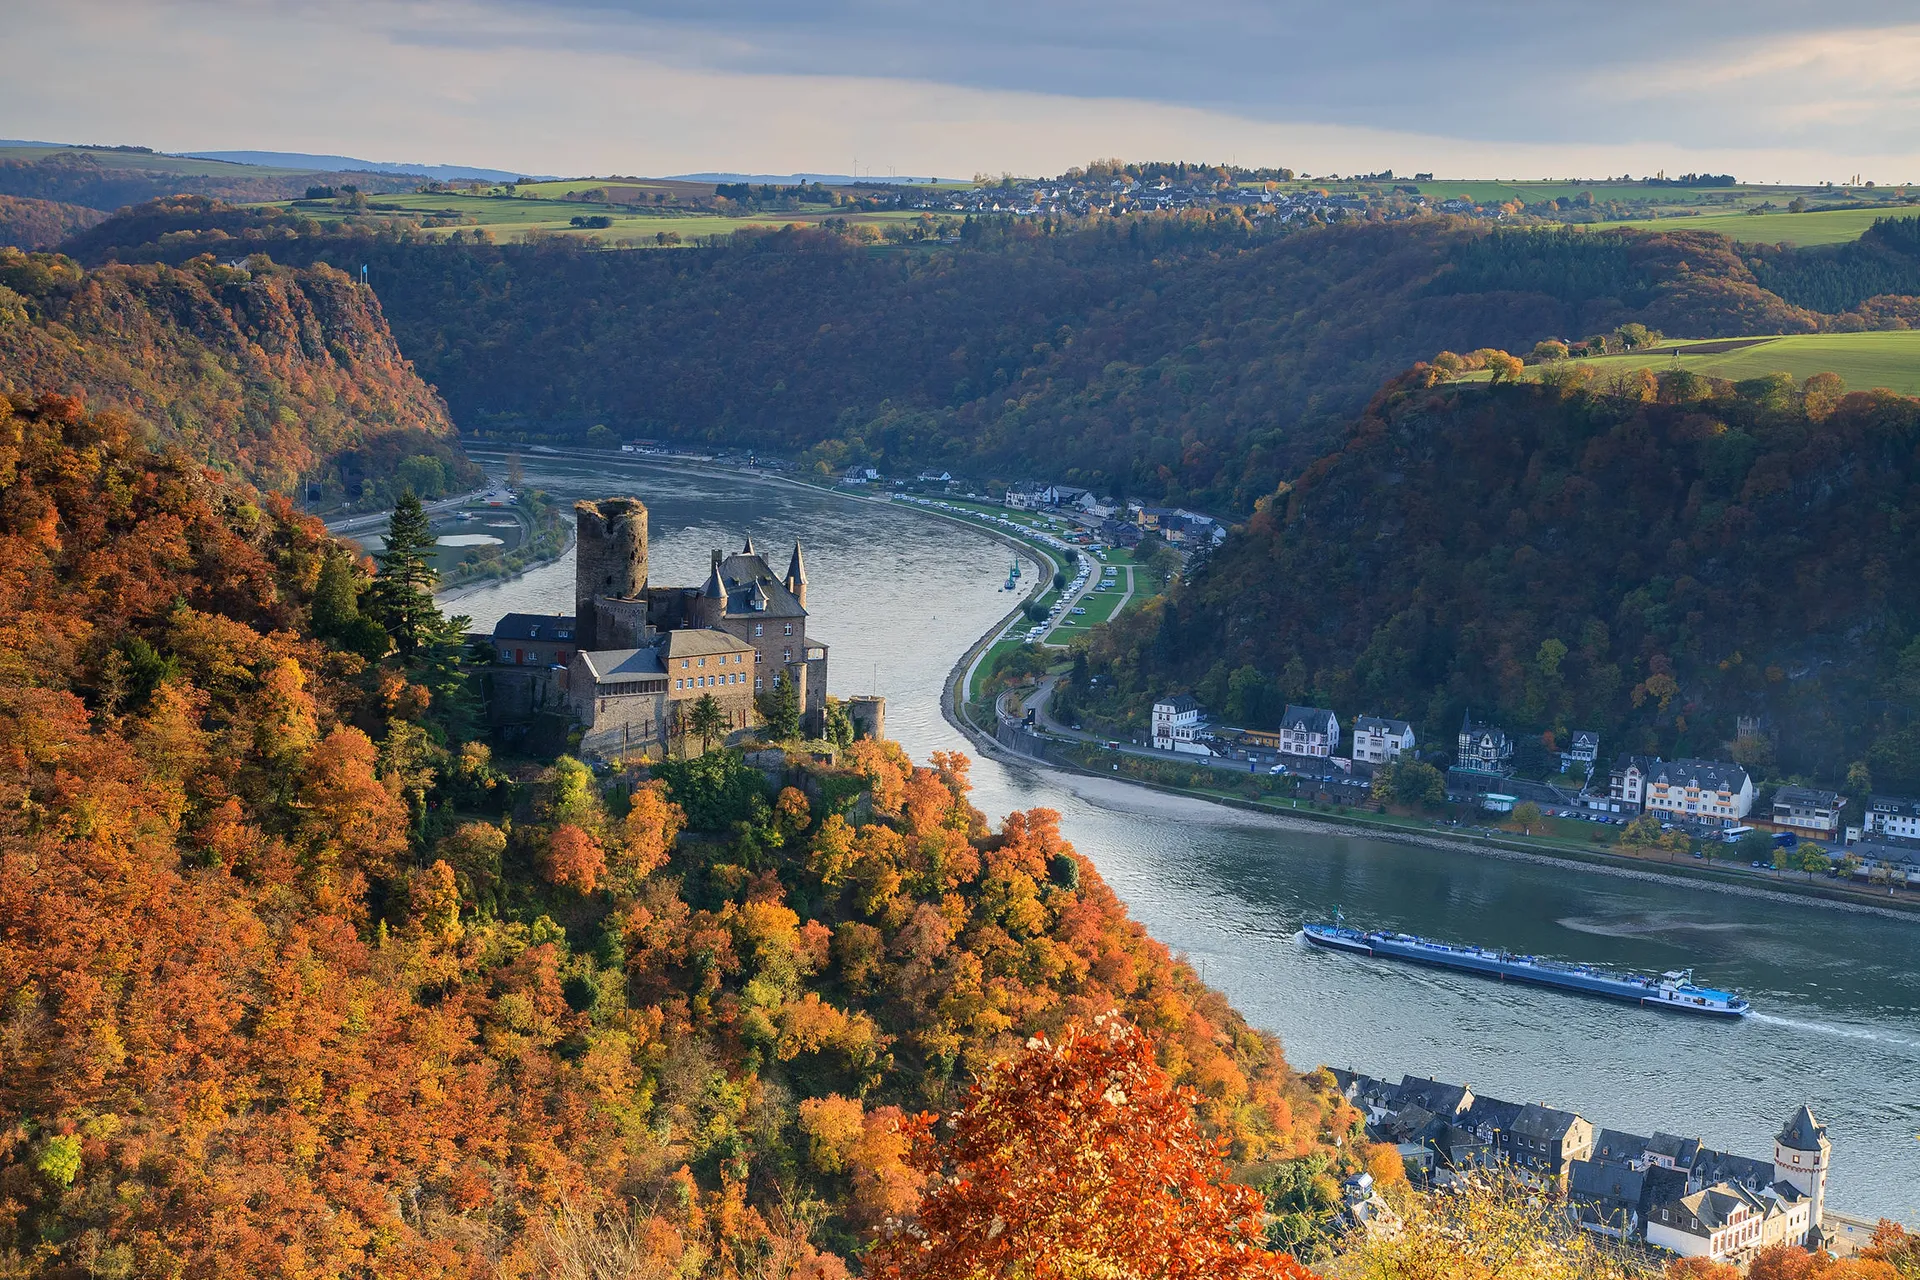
(1673, 990)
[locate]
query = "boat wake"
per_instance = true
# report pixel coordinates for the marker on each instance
(1829, 1029)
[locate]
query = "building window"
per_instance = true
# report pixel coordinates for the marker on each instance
(758, 629)
(786, 655)
(756, 684)
(703, 662)
(789, 630)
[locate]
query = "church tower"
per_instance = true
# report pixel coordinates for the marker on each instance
(1801, 1154)
(797, 575)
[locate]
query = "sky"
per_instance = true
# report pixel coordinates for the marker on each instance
(1769, 90)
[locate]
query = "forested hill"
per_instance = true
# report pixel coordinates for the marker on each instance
(296, 980)
(42, 224)
(1194, 358)
(281, 375)
(1651, 558)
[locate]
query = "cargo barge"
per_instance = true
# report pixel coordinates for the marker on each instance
(1675, 990)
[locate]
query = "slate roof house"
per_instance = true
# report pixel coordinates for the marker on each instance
(1309, 731)
(1483, 748)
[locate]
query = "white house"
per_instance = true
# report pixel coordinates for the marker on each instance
(1584, 746)
(1627, 782)
(1176, 724)
(1378, 741)
(1706, 791)
(1727, 1220)
(1309, 731)
(1893, 816)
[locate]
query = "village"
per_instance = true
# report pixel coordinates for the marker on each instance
(1666, 1194)
(1710, 804)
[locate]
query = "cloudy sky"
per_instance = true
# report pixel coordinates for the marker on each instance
(1771, 90)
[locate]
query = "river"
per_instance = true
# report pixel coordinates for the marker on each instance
(899, 596)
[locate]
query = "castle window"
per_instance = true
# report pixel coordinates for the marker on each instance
(786, 655)
(789, 630)
(756, 684)
(759, 629)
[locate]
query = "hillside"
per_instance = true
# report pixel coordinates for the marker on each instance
(283, 376)
(1652, 557)
(41, 224)
(109, 178)
(1195, 358)
(298, 980)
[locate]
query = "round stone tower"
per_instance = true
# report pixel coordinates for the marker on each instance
(610, 560)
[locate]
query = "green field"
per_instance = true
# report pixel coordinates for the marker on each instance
(1863, 360)
(1833, 226)
(150, 161)
(511, 218)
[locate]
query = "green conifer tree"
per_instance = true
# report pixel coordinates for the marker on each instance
(401, 599)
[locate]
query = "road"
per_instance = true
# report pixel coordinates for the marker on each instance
(349, 524)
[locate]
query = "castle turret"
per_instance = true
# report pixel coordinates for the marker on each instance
(610, 562)
(797, 575)
(1801, 1154)
(748, 549)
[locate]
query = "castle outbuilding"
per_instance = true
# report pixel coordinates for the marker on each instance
(638, 657)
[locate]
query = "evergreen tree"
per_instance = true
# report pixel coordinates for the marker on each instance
(402, 596)
(780, 708)
(336, 611)
(707, 721)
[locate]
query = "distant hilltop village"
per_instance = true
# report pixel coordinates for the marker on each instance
(630, 665)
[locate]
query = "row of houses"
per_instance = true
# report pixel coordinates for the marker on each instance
(1664, 1191)
(1175, 525)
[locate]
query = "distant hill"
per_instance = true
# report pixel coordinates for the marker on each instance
(349, 164)
(282, 376)
(42, 224)
(1194, 358)
(112, 178)
(1654, 557)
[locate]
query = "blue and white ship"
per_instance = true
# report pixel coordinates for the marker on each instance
(1674, 990)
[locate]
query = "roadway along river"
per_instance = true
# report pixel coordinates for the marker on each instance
(900, 596)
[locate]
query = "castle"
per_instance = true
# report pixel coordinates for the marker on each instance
(638, 656)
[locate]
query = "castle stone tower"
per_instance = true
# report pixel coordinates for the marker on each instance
(1801, 1154)
(797, 575)
(610, 563)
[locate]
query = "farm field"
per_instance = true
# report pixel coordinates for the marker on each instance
(1889, 359)
(1815, 227)
(510, 218)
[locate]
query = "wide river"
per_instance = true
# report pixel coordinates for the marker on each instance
(899, 596)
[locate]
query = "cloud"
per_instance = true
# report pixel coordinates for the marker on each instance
(1481, 86)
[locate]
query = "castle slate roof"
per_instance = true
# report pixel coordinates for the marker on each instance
(738, 574)
(1378, 724)
(701, 642)
(534, 626)
(623, 666)
(1803, 1132)
(1179, 703)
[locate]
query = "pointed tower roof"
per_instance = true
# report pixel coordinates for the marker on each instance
(748, 549)
(714, 590)
(797, 567)
(1803, 1132)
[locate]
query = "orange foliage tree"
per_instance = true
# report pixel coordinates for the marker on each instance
(1073, 1159)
